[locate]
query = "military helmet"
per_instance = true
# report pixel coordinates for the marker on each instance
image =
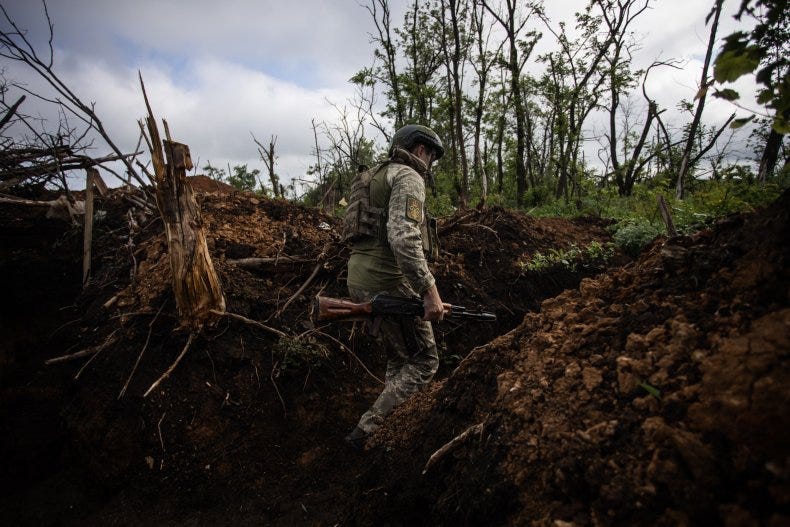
(413, 134)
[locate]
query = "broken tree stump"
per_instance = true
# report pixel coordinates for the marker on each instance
(195, 282)
(666, 215)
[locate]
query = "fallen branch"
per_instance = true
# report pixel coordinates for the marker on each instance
(255, 263)
(452, 445)
(13, 176)
(250, 322)
(450, 224)
(65, 358)
(486, 227)
(172, 367)
(28, 202)
(304, 286)
(139, 202)
(78, 354)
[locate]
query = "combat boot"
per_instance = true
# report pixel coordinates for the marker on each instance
(357, 438)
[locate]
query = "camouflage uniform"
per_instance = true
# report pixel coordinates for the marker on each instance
(397, 267)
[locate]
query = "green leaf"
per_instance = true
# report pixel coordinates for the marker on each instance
(781, 125)
(765, 96)
(727, 94)
(738, 123)
(652, 390)
(730, 65)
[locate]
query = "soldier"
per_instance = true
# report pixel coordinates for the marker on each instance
(387, 257)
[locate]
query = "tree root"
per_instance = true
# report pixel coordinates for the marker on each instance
(173, 366)
(140, 356)
(452, 445)
(250, 322)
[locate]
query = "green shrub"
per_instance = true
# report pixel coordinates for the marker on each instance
(595, 254)
(296, 354)
(633, 235)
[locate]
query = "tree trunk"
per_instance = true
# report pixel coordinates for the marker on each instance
(463, 197)
(770, 155)
(703, 90)
(195, 283)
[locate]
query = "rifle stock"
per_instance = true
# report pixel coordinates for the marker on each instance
(329, 309)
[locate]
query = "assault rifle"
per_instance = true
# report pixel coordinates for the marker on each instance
(338, 310)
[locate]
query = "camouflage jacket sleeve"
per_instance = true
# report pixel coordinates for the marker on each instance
(406, 214)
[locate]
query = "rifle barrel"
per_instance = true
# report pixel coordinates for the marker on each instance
(462, 313)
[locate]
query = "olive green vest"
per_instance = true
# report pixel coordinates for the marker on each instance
(372, 266)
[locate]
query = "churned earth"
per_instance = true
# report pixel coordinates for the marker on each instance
(607, 392)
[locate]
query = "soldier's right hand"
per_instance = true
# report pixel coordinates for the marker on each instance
(435, 309)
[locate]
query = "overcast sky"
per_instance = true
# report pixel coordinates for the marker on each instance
(220, 70)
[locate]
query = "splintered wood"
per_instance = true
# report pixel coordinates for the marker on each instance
(195, 283)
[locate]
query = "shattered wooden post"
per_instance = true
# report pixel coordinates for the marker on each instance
(666, 215)
(87, 240)
(195, 282)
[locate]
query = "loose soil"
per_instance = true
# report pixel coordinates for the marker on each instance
(608, 391)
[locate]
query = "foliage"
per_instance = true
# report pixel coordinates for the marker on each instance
(241, 178)
(638, 214)
(214, 172)
(337, 166)
(297, 354)
(632, 236)
(765, 47)
(531, 151)
(716, 200)
(439, 204)
(571, 258)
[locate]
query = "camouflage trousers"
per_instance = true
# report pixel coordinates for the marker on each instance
(412, 358)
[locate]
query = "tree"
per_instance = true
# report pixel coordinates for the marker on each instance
(349, 151)
(214, 172)
(243, 179)
(240, 177)
(701, 96)
(455, 44)
(423, 56)
(386, 52)
(627, 172)
(620, 79)
(15, 46)
(766, 47)
(603, 27)
(481, 64)
(519, 52)
(268, 157)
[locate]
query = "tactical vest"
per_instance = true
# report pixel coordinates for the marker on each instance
(365, 221)
(362, 220)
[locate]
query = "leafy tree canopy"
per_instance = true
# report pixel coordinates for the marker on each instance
(765, 47)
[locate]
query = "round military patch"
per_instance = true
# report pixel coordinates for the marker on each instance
(413, 209)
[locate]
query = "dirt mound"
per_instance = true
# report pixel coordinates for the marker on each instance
(249, 427)
(656, 394)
